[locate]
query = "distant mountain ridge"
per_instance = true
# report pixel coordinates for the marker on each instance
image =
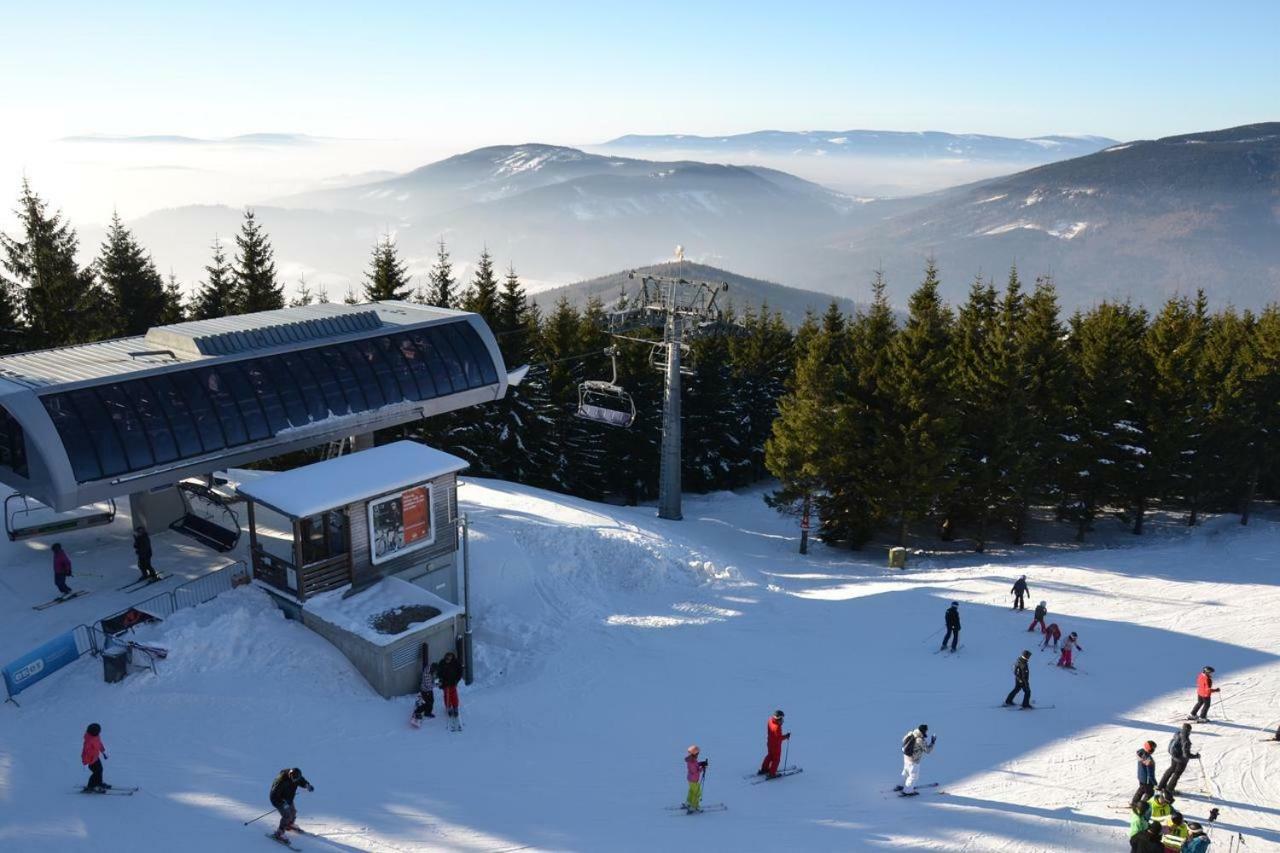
(870, 143)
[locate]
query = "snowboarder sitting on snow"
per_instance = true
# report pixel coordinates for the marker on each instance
(1021, 680)
(1068, 646)
(91, 755)
(915, 746)
(449, 671)
(1139, 819)
(1204, 695)
(1019, 591)
(61, 569)
(142, 547)
(1179, 754)
(774, 739)
(1197, 841)
(694, 771)
(426, 694)
(1041, 611)
(1051, 635)
(1146, 772)
(952, 620)
(283, 790)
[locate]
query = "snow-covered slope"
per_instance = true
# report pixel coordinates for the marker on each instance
(608, 641)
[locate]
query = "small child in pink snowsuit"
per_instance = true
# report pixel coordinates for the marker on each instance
(1068, 645)
(694, 770)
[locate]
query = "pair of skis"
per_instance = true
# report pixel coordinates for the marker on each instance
(140, 583)
(1031, 707)
(757, 778)
(115, 791)
(285, 841)
(683, 809)
(956, 650)
(60, 599)
(898, 789)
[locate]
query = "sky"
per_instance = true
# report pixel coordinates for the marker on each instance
(406, 83)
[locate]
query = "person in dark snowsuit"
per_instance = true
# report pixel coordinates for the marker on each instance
(61, 569)
(1179, 755)
(1146, 772)
(952, 619)
(1020, 591)
(1021, 680)
(1041, 612)
(283, 789)
(449, 672)
(1149, 840)
(142, 547)
(773, 752)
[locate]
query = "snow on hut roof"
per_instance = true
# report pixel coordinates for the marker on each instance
(333, 483)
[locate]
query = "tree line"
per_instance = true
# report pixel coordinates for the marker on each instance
(971, 418)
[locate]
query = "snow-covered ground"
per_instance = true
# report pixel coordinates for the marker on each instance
(609, 640)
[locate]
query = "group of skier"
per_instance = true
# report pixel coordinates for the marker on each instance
(448, 674)
(1154, 823)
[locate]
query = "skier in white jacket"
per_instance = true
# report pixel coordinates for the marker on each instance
(916, 744)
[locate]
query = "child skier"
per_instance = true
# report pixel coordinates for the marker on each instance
(450, 673)
(1146, 772)
(283, 789)
(952, 621)
(1019, 591)
(1051, 635)
(1204, 695)
(1068, 646)
(774, 738)
(91, 754)
(1041, 612)
(1021, 680)
(61, 569)
(694, 771)
(426, 696)
(915, 746)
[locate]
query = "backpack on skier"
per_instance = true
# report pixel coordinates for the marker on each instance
(909, 744)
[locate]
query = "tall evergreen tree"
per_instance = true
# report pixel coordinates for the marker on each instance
(13, 332)
(216, 297)
(514, 321)
(175, 309)
(760, 363)
(1222, 458)
(1262, 388)
(255, 270)
(1174, 345)
(923, 427)
(440, 291)
(136, 290)
(62, 304)
(482, 296)
(388, 277)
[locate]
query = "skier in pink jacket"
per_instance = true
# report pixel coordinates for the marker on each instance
(694, 771)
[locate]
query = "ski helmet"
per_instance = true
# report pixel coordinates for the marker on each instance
(295, 773)
(1208, 669)
(923, 727)
(94, 729)
(778, 713)
(955, 604)
(1150, 746)
(693, 750)
(1042, 604)
(1026, 653)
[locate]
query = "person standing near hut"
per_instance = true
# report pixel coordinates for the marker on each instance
(449, 672)
(142, 547)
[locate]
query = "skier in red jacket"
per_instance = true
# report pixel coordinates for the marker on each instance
(1204, 695)
(91, 755)
(775, 738)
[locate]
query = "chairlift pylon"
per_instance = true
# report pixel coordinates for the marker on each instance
(606, 402)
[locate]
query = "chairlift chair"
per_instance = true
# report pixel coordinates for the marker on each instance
(33, 518)
(606, 402)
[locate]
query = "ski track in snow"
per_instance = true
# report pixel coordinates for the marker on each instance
(609, 640)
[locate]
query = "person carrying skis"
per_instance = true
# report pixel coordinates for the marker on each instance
(283, 789)
(91, 755)
(1204, 695)
(1041, 611)
(915, 746)
(1179, 755)
(694, 770)
(1068, 646)
(774, 738)
(1146, 772)
(1197, 841)
(1020, 591)
(1051, 635)
(426, 694)
(449, 671)
(61, 569)
(1021, 680)
(952, 620)
(142, 547)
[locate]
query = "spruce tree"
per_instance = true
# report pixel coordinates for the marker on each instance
(1174, 345)
(255, 270)
(1222, 459)
(922, 426)
(12, 330)
(760, 363)
(303, 293)
(175, 309)
(521, 445)
(61, 303)
(388, 277)
(1262, 393)
(440, 291)
(350, 297)
(514, 327)
(136, 290)
(216, 297)
(482, 296)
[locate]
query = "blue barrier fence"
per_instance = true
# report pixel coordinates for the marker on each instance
(66, 648)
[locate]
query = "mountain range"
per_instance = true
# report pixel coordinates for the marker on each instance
(1138, 220)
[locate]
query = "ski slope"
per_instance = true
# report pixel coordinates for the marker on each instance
(609, 640)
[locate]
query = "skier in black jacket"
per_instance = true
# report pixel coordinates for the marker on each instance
(952, 619)
(142, 547)
(283, 790)
(1179, 754)
(1020, 591)
(1021, 680)
(449, 671)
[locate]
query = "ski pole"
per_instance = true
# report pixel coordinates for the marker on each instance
(786, 756)
(1208, 783)
(931, 636)
(1222, 710)
(259, 817)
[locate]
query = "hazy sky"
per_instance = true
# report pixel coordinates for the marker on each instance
(468, 73)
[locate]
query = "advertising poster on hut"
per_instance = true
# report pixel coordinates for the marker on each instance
(400, 523)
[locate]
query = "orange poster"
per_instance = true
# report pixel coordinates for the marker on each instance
(416, 514)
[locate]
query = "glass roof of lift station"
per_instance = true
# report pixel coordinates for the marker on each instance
(82, 423)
